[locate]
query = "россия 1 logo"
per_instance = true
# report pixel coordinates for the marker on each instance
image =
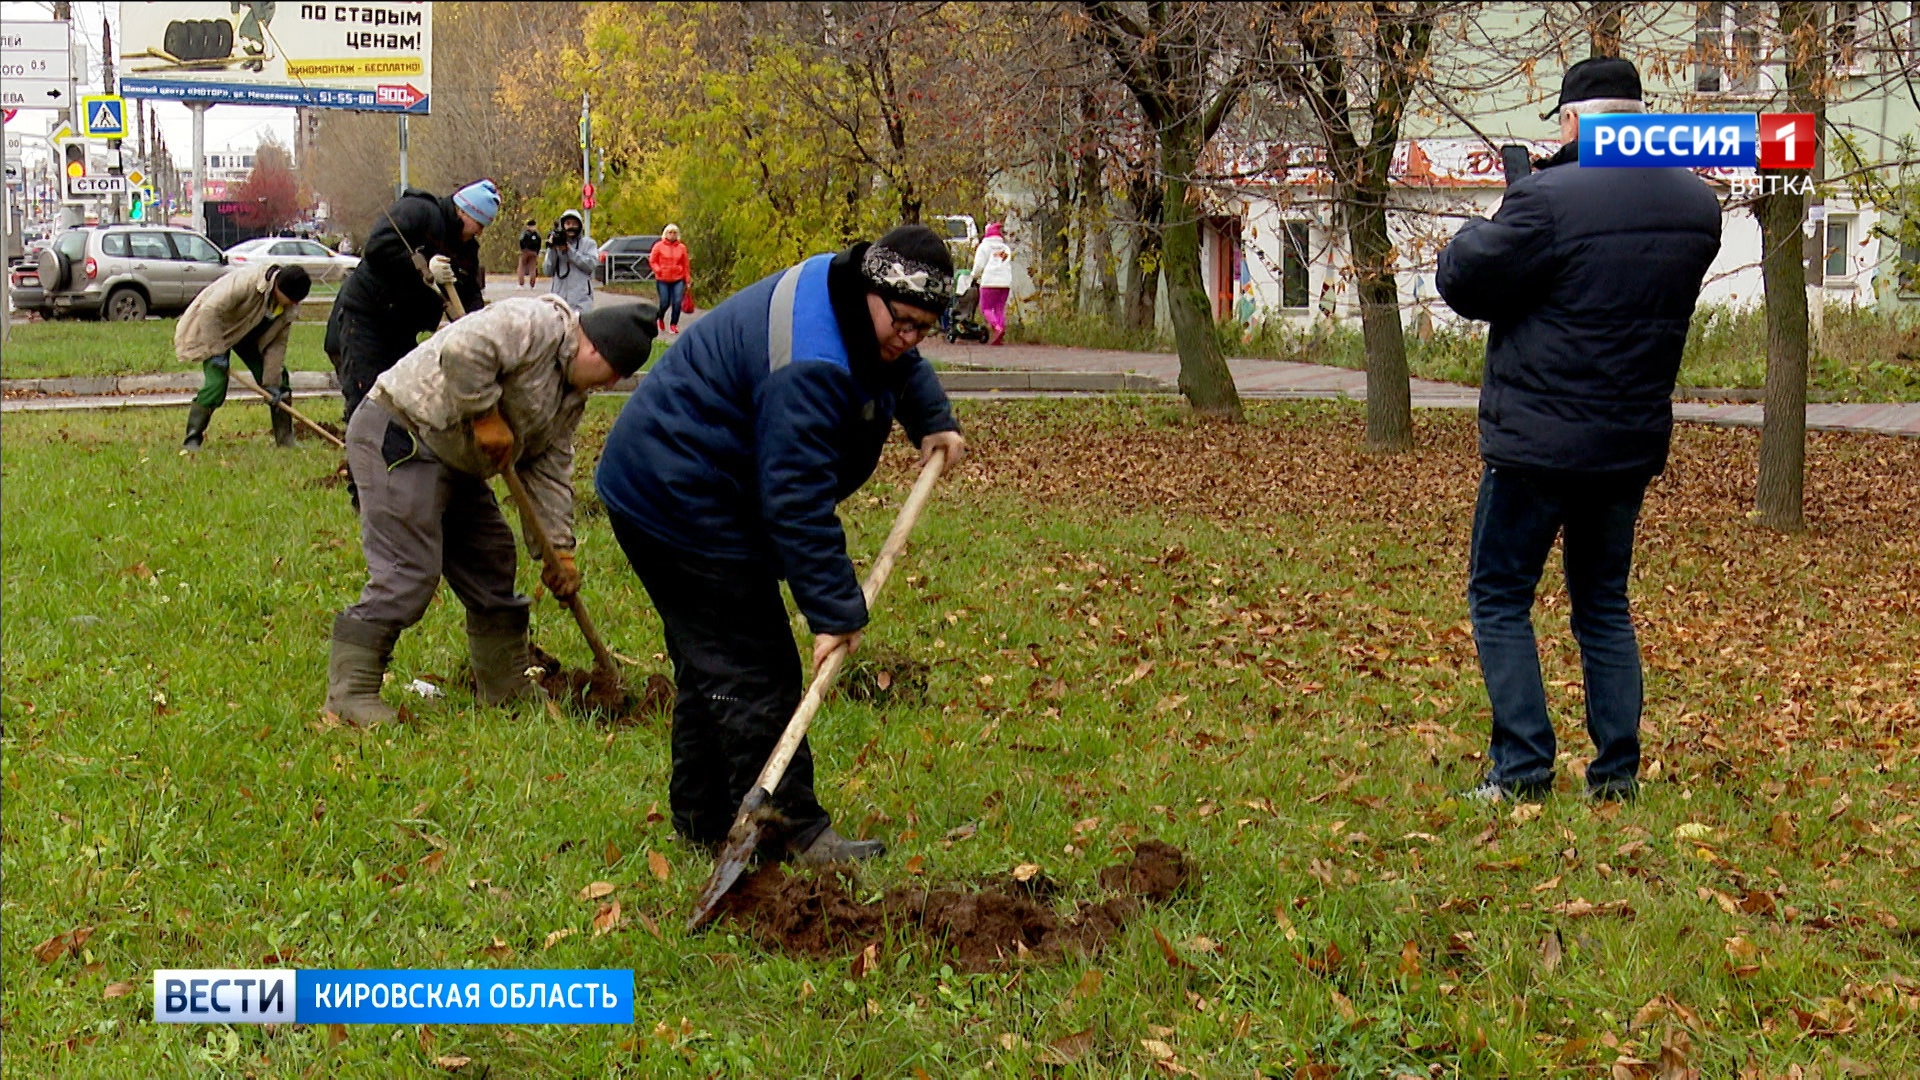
(1697, 141)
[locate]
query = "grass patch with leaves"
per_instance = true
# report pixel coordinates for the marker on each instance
(1247, 641)
(1867, 354)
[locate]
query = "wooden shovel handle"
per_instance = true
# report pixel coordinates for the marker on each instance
(339, 444)
(455, 309)
(789, 743)
(530, 521)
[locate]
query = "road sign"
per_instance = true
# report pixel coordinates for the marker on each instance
(136, 178)
(35, 65)
(104, 116)
(87, 187)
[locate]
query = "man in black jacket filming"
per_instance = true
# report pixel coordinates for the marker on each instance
(419, 245)
(1589, 278)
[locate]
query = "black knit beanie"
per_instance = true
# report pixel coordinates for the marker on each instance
(911, 264)
(292, 282)
(623, 333)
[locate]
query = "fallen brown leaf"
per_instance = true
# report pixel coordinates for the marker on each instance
(598, 890)
(1067, 1049)
(1089, 984)
(450, 1062)
(1166, 950)
(657, 863)
(115, 990)
(1551, 951)
(607, 919)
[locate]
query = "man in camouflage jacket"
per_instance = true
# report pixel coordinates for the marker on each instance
(506, 384)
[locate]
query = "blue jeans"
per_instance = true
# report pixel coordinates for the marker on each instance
(1514, 524)
(671, 293)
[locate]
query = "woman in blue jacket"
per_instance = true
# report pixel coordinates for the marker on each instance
(721, 479)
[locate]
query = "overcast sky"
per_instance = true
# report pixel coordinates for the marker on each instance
(236, 127)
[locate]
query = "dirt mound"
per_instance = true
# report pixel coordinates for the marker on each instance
(1156, 872)
(602, 696)
(885, 677)
(981, 929)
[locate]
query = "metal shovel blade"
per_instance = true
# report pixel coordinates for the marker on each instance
(742, 840)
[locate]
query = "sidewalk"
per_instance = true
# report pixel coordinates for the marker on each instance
(1287, 381)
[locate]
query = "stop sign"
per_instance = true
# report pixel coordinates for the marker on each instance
(586, 196)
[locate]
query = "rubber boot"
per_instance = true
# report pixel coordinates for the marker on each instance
(830, 847)
(359, 659)
(198, 417)
(497, 642)
(282, 428)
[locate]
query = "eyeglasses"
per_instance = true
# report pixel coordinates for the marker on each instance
(918, 329)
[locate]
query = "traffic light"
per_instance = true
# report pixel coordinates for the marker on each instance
(136, 206)
(73, 153)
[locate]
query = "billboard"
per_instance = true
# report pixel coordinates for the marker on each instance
(375, 57)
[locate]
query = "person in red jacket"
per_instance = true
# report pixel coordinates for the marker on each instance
(671, 272)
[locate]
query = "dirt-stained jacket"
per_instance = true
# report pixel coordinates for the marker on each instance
(227, 311)
(513, 354)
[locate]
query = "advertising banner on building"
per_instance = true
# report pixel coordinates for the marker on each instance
(374, 57)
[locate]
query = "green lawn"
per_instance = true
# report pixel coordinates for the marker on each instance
(46, 350)
(1248, 641)
(1865, 355)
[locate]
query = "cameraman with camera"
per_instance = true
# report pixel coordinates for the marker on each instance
(571, 258)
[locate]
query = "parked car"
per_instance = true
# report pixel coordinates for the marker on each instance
(124, 273)
(322, 263)
(624, 258)
(23, 289)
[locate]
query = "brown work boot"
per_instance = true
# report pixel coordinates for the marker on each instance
(497, 643)
(358, 660)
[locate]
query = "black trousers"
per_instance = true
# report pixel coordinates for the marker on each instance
(362, 348)
(738, 672)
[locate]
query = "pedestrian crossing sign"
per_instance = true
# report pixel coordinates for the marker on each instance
(104, 116)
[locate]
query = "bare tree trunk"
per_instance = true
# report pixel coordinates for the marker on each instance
(1204, 376)
(1147, 202)
(1605, 21)
(1779, 497)
(1389, 389)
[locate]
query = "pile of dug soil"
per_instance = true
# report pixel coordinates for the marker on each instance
(603, 696)
(982, 929)
(885, 677)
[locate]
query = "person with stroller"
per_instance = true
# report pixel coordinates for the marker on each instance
(993, 273)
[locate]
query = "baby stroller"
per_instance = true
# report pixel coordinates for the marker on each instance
(962, 318)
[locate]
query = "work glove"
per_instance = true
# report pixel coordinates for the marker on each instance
(560, 575)
(440, 268)
(494, 438)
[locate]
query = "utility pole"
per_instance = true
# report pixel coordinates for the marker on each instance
(199, 164)
(115, 162)
(402, 188)
(586, 161)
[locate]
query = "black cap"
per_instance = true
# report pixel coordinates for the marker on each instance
(292, 282)
(623, 333)
(1598, 77)
(911, 264)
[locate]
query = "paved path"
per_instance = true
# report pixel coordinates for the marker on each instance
(1280, 379)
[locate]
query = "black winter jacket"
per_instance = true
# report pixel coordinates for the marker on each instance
(1589, 278)
(388, 286)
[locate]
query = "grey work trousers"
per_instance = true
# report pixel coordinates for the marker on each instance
(421, 521)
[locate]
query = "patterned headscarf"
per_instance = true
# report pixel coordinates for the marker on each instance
(911, 264)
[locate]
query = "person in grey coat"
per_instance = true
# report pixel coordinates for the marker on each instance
(572, 257)
(505, 385)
